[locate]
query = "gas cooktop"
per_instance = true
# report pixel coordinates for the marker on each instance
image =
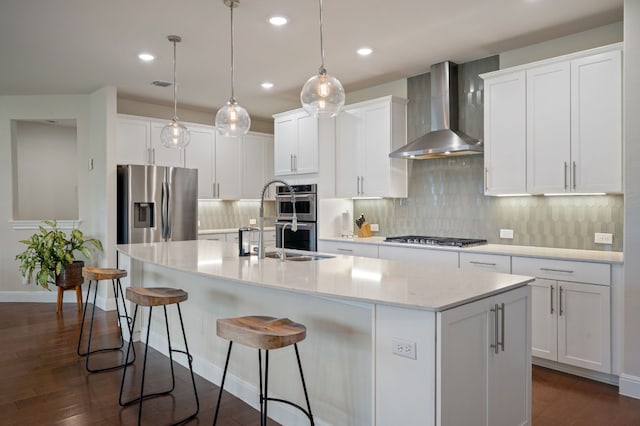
(436, 241)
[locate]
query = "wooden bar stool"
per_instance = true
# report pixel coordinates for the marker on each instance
(94, 275)
(158, 296)
(263, 333)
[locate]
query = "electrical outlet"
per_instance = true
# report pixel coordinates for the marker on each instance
(375, 227)
(506, 234)
(602, 238)
(252, 221)
(403, 348)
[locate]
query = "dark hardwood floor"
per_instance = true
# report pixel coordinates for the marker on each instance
(43, 382)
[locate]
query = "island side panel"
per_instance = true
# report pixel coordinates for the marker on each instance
(405, 387)
(336, 356)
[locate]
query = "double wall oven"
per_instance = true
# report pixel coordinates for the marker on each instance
(305, 196)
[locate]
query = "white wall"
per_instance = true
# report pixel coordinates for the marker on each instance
(630, 379)
(91, 139)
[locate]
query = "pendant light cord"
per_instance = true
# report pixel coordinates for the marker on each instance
(322, 70)
(175, 86)
(233, 99)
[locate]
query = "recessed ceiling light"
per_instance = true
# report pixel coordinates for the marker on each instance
(267, 85)
(278, 21)
(147, 57)
(364, 51)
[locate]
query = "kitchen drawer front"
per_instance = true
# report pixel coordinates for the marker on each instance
(425, 256)
(213, 237)
(486, 262)
(351, 249)
(563, 270)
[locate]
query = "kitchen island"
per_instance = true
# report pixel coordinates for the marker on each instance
(387, 342)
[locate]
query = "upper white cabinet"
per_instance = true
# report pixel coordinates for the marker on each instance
(296, 143)
(138, 142)
(201, 155)
(572, 109)
(228, 160)
(366, 133)
(257, 164)
(505, 132)
(304, 150)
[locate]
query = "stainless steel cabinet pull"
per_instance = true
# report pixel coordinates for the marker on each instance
(560, 302)
(574, 175)
(566, 271)
(495, 346)
(486, 179)
(343, 249)
(357, 185)
(213, 189)
(295, 162)
(361, 185)
(551, 300)
(482, 263)
(218, 190)
(501, 308)
(566, 186)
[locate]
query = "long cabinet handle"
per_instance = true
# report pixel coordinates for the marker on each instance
(566, 167)
(357, 185)
(361, 185)
(560, 302)
(295, 162)
(495, 346)
(343, 249)
(551, 301)
(486, 179)
(501, 308)
(566, 271)
(482, 263)
(573, 175)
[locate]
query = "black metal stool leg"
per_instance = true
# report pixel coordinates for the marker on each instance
(304, 385)
(224, 376)
(124, 370)
(118, 291)
(144, 366)
(84, 314)
(190, 360)
(266, 388)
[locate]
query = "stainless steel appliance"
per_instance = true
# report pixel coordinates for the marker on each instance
(156, 203)
(436, 241)
(305, 196)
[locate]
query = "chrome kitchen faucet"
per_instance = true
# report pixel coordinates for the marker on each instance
(294, 218)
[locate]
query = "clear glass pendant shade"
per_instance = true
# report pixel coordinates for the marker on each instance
(322, 96)
(175, 135)
(233, 120)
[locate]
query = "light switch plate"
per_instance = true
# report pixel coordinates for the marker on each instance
(603, 238)
(506, 234)
(375, 227)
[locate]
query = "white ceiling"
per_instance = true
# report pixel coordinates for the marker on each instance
(78, 46)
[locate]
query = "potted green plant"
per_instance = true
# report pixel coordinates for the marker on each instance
(50, 252)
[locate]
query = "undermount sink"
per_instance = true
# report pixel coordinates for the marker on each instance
(297, 257)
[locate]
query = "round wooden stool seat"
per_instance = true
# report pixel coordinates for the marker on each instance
(97, 274)
(156, 296)
(261, 332)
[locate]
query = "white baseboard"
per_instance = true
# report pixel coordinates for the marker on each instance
(630, 386)
(247, 392)
(576, 371)
(106, 304)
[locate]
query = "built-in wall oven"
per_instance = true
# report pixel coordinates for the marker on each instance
(305, 198)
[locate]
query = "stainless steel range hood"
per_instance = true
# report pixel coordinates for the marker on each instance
(444, 139)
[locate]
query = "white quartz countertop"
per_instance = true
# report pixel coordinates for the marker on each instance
(230, 230)
(505, 249)
(351, 278)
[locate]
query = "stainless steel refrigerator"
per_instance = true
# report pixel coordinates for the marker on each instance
(157, 203)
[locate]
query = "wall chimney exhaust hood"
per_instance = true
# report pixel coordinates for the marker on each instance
(444, 139)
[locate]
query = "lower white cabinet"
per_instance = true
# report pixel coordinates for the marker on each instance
(571, 319)
(213, 237)
(424, 256)
(349, 248)
(484, 362)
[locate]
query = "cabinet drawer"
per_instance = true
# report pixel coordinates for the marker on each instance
(425, 256)
(352, 249)
(486, 262)
(213, 237)
(563, 270)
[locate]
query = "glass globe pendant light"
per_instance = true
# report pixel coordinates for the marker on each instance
(322, 95)
(175, 134)
(232, 120)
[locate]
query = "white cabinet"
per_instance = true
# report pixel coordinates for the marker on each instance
(138, 142)
(571, 311)
(484, 361)
(295, 143)
(348, 247)
(366, 133)
(571, 131)
(201, 155)
(257, 163)
(425, 256)
(213, 236)
(228, 167)
(486, 262)
(505, 153)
